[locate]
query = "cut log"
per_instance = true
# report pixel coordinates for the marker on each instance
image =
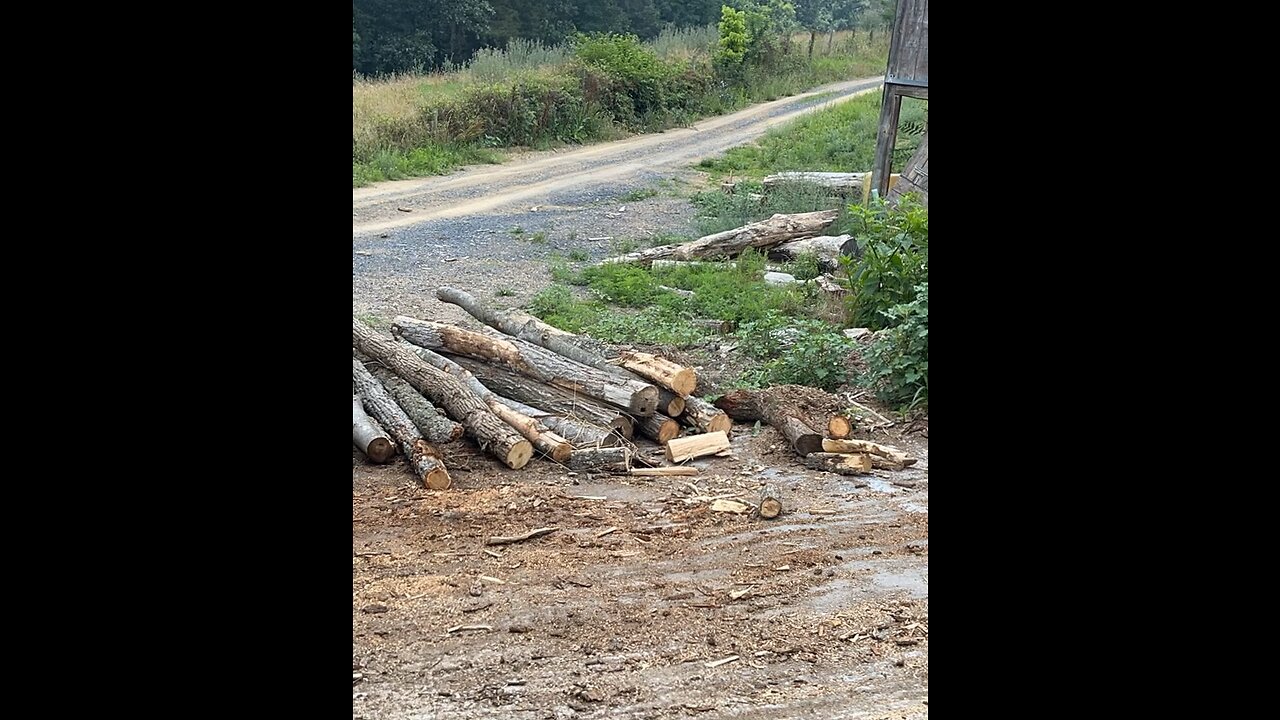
(705, 417)
(434, 425)
(842, 184)
(367, 436)
(764, 234)
(779, 278)
(426, 461)
(551, 444)
(665, 471)
(531, 361)
(670, 404)
(549, 398)
(859, 446)
(660, 371)
(599, 459)
(842, 463)
(884, 463)
(839, 427)
(915, 176)
(525, 327)
(676, 291)
(695, 446)
(658, 427)
(579, 434)
(770, 501)
(774, 407)
(828, 249)
(492, 434)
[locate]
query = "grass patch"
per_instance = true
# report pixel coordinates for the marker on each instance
(538, 238)
(504, 292)
(638, 195)
(392, 164)
(578, 255)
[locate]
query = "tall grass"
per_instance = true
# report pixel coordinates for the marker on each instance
(495, 64)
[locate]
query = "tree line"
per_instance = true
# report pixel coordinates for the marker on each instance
(393, 36)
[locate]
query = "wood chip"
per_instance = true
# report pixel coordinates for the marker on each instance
(782, 568)
(492, 553)
(491, 579)
(607, 532)
(508, 539)
(461, 628)
(722, 661)
(739, 594)
(588, 497)
(729, 506)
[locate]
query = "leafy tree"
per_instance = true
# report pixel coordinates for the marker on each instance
(732, 46)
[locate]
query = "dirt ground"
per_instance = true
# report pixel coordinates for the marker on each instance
(618, 612)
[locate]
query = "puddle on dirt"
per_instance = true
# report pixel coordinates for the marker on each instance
(622, 493)
(881, 486)
(915, 507)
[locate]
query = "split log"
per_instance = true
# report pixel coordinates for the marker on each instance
(683, 470)
(839, 427)
(367, 436)
(884, 463)
(842, 184)
(842, 463)
(492, 434)
(770, 501)
(866, 446)
(695, 446)
(579, 434)
(532, 361)
(554, 446)
(658, 427)
(774, 407)
(764, 234)
(518, 325)
(550, 398)
(598, 459)
(705, 417)
(434, 425)
(828, 249)
(426, 461)
(670, 404)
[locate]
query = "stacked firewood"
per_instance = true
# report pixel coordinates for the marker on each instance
(519, 387)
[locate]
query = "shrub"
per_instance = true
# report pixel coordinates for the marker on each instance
(899, 358)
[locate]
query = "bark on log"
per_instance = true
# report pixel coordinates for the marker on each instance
(839, 427)
(884, 463)
(670, 404)
(551, 444)
(828, 248)
(866, 446)
(367, 436)
(531, 361)
(579, 434)
(426, 461)
(842, 463)
(776, 409)
(658, 427)
(599, 459)
(778, 229)
(843, 184)
(705, 417)
(518, 325)
(492, 434)
(695, 446)
(770, 501)
(434, 425)
(549, 398)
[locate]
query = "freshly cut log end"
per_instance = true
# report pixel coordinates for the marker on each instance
(368, 437)
(705, 417)
(841, 463)
(670, 404)
(776, 408)
(428, 464)
(658, 427)
(696, 446)
(677, 378)
(839, 427)
(770, 501)
(519, 454)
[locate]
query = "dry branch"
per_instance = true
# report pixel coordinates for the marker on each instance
(508, 539)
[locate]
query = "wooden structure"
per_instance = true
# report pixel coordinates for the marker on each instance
(906, 76)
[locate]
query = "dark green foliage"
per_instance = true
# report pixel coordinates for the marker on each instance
(894, 249)
(899, 358)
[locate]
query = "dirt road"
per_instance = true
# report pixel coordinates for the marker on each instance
(618, 613)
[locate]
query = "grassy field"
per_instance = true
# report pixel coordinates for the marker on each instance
(529, 95)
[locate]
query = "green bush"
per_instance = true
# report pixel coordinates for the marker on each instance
(899, 358)
(894, 248)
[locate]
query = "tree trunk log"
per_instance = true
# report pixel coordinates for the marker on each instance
(670, 404)
(434, 425)
(866, 446)
(837, 183)
(828, 248)
(531, 361)
(518, 325)
(778, 229)
(770, 502)
(492, 434)
(695, 446)
(599, 459)
(658, 427)
(579, 434)
(367, 436)
(549, 398)
(426, 461)
(554, 446)
(839, 427)
(844, 464)
(776, 409)
(705, 417)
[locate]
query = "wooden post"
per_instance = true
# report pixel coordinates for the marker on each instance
(886, 137)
